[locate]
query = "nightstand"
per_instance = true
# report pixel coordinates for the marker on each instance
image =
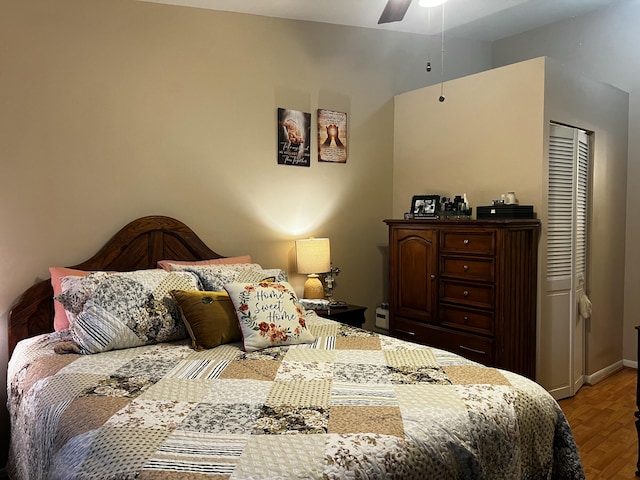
(351, 314)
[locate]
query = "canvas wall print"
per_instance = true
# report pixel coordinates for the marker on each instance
(294, 135)
(332, 136)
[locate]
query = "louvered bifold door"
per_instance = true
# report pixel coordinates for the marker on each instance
(580, 257)
(567, 227)
(581, 208)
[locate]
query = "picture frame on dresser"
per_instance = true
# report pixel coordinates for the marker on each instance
(425, 206)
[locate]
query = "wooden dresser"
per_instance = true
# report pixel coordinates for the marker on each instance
(467, 286)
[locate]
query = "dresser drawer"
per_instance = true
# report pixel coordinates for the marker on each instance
(467, 294)
(408, 329)
(477, 242)
(474, 347)
(464, 319)
(480, 269)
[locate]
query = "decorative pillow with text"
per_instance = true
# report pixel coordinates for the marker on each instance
(269, 315)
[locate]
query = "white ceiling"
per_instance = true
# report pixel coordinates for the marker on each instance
(487, 20)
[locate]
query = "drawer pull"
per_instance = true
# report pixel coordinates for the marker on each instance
(433, 277)
(465, 268)
(466, 241)
(465, 318)
(479, 352)
(406, 332)
(465, 293)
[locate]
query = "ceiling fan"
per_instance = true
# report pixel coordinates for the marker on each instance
(395, 10)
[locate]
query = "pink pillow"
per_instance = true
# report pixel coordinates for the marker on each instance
(60, 320)
(164, 264)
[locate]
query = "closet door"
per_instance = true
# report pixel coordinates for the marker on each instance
(567, 235)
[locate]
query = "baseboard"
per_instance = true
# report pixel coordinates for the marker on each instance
(604, 373)
(630, 363)
(560, 393)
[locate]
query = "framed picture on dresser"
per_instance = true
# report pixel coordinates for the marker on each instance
(425, 206)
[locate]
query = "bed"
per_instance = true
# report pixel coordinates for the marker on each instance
(316, 400)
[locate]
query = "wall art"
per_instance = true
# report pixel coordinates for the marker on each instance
(294, 135)
(332, 136)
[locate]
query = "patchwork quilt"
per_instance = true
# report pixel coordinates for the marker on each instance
(352, 405)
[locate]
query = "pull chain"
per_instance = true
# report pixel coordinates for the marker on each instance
(442, 58)
(428, 33)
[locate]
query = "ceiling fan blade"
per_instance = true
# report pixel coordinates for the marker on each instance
(394, 11)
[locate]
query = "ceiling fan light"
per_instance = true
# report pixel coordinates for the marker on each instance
(430, 3)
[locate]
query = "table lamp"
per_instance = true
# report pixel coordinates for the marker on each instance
(313, 256)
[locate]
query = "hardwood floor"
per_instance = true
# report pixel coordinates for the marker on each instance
(603, 424)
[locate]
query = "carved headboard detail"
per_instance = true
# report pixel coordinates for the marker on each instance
(138, 245)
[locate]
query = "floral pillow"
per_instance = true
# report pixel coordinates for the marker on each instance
(166, 264)
(269, 314)
(131, 309)
(58, 274)
(77, 290)
(213, 278)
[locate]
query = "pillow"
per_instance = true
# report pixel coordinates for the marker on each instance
(268, 314)
(60, 320)
(209, 317)
(131, 309)
(214, 277)
(77, 290)
(164, 264)
(278, 274)
(252, 276)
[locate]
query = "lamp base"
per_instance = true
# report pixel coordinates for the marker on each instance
(313, 287)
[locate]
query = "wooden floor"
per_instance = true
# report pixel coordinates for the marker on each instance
(603, 424)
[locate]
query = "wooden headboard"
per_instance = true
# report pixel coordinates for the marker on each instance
(138, 245)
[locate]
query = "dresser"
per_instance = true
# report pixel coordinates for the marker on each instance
(467, 286)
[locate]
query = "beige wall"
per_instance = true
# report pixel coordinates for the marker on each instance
(632, 252)
(603, 46)
(488, 137)
(114, 109)
(581, 102)
(483, 140)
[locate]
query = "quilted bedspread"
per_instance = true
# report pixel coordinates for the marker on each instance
(352, 405)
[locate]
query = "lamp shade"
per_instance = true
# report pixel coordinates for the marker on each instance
(313, 255)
